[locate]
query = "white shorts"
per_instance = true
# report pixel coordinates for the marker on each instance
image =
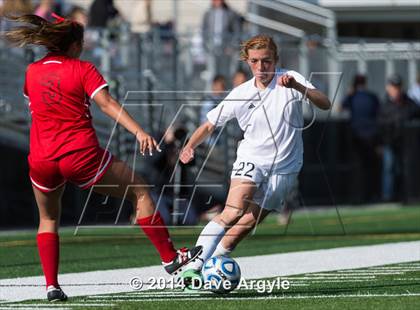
(272, 189)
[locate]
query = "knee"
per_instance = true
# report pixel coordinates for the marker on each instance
(137, 194)
(230, 216)
(249, 225)
(234, 211)
(142, 202)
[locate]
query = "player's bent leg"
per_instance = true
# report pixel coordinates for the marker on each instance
(130, 186)
(49, 206)
(121, 181)
(240, 195)
(239, 198)
(241, 229)
(275, 192)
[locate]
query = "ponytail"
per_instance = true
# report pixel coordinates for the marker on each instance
(56, 37)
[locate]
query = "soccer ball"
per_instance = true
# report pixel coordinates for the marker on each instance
(221, 274)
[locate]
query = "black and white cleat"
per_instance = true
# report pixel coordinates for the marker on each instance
(184, 257)
(55, 294)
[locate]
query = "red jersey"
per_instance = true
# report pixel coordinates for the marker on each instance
(59, 88)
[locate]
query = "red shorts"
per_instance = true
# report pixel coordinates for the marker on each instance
(83, 168)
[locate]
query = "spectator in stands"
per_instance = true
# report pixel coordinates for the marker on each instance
(221, 28)
(45, 8)
(239, 77)
(220, 24)
(397, 109)
(218, 89)
(363, 106)
(79, 15)
(171, 176)
(104, 15)
(101, 12)
(414, 91)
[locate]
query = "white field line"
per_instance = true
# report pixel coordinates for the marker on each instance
(334, 281)
(159, 294)
(406, 266)
(54, 305)
(386, 271)
(358, 275)
(328, 278)
(370, 271)
(201, 295)
(31, 308)
(292, 284)
(140, 296)
(341, 276)
(192, 298)
(289, 264)
(253, 267)
(391, 268)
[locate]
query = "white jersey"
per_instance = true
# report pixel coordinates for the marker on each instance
(271, 120)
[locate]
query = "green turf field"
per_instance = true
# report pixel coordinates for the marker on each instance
(388, 287)
(385, 287)
(98, 249)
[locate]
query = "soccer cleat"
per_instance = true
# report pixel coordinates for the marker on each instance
(55, 294)
(184, 256)
(192, 280)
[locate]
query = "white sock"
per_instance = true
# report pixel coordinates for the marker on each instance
(221, 250)
(209, 238)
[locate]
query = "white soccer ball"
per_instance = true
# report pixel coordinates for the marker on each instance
(221, 274)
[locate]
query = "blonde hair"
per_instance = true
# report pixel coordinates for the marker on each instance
(261, 41)
(56, 37)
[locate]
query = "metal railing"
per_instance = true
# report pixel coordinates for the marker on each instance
(160, 61)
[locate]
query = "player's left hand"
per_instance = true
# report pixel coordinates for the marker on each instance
(287, 81)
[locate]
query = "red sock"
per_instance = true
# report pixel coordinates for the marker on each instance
(48, 248)
(158, 234)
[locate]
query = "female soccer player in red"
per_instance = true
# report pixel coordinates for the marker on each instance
(64, 147)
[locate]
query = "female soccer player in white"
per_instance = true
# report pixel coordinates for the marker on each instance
(269, 111)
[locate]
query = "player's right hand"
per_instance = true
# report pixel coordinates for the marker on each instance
(147, 143)
(186, 155)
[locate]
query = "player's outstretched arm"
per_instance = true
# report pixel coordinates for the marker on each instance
(199, 135)
(113, 109)
(315, 96)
